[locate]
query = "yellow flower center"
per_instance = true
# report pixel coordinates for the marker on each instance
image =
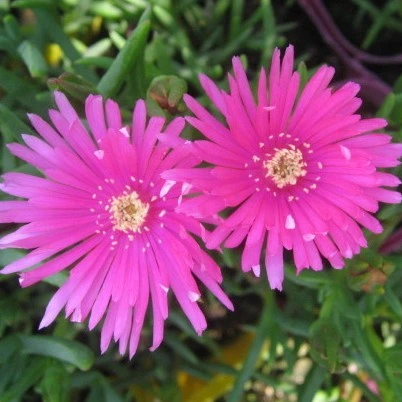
(286, 166)
(128, 212)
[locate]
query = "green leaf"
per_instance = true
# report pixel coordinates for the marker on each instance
(386, 107)
(50, 24)
(11, 126)
(325, 342)
(57, 279)
(8, 346)
(369, 355)
(101, 390)
(7, 45)
(55, 386)
(107, 10)
(11, 315)
(62, 349)
(20, 90)
(30, 375)
(101, 61)
(396, 115)
(393, 301)
(164, 16)
(99, 48)
(73, 86)
(304, 74)
(181, 349)
(393, 360)
(118, 40)
(236, 18)
(183, 324)
(112, 81)
(34, 4)
(307, 278)
(398, 85)
(109, 394)
(33, 59)
(167, 91)
(11, 27)
(311, 384)
(249, 363)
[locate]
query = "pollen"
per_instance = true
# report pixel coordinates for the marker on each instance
(128, 212)
(285, 167)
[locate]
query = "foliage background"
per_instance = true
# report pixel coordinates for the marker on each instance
(331, 336)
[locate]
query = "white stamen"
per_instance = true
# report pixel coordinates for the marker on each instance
(345, 152)
(193, 296)
(185, 188)
(77, 315)
(290, 222)
(257, 270)
(125, 132)
(166, 187)
(99, 154)
(164, 288)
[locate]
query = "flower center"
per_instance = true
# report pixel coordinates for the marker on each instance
(286, 166)
(128, 212)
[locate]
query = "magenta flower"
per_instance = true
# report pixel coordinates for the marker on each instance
(299, 170)
(103, 209)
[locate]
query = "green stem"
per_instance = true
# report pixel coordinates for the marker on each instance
(249, 363)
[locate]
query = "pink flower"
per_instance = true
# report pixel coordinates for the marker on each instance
(103, 209)
(298, 168)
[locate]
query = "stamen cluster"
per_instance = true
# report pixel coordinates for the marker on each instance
(286, 166)
(128, 212)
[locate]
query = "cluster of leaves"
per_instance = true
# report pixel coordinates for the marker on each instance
(330, 336)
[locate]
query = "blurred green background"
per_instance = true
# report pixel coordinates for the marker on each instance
(329, 336)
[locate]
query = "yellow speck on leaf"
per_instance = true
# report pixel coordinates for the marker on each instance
(96, 24)
(53, 54)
